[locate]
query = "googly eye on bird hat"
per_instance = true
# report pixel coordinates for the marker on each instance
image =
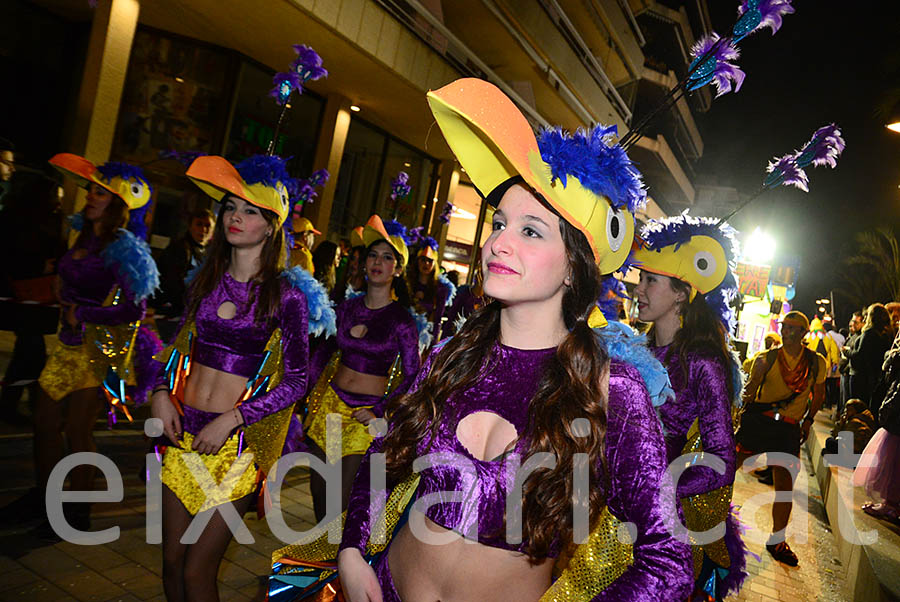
(392, 232)
(261, 180)
(698, 250)
(584, 176)
(121, 179)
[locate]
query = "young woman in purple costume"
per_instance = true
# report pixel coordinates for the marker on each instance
(105, 279)
(685, 285)
(514, 382)
(221, 396)
(374, 329)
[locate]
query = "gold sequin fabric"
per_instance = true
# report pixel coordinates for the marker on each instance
(68, 369)
(320, 551)
(322, 401)
(593, 565)
(222, 469)
(706, 510)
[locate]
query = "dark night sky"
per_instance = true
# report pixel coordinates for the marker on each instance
(824, 65)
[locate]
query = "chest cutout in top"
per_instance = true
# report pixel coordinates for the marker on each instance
(486, 435)
(359, 331)
(227, 310)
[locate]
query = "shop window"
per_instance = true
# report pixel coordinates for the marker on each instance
(461, 247)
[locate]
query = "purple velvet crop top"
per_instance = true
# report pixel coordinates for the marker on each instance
(87, 282)
(703, 395)
(237, 345)
(390, 330)
(639, 491)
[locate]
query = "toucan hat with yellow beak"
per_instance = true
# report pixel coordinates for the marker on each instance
(121, 179)
(261, 180)
(391, 232)
(700, 251)
(584, 177)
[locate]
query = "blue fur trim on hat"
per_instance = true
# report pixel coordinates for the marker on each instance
(76, 221)
(137, 223)
(395, 228)
(116, 169)
(623, 344)
(612, 292)
(321, 313)
(600, 165)
(268, 170)
(677, 230)
(423, 327)
(451, 295)
(429, 241)
(130, 258)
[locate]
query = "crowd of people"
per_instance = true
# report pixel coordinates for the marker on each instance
(519, 428)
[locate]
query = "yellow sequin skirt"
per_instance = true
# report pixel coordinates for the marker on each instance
(221, 478)
(322, 401)
(68, 369)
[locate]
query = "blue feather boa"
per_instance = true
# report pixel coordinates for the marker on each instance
(130, 258)
(624, 345)
(423, 327)
(451, 287)
(321, 313)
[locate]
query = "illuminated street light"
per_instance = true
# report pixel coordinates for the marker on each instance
(894, 127)
(760, 247)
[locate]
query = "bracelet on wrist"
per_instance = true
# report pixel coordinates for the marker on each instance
(158, 389)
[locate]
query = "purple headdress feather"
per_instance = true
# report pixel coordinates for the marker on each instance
(308, 64)
(677, 230)
(400, 186)
(599, 164)
(284, 84)
(784, 171)
(416, 235)
(754, 15)
(824, 148)
(306, 189)
(716, 67)
(429, 241)
(446, 212)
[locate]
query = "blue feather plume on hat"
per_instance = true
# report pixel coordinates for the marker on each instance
(600, 165)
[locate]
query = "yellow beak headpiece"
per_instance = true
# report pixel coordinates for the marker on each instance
(588, 182)
(356, 237)
(699, 251)
(375, 231)
(123, 180)
(260, 180)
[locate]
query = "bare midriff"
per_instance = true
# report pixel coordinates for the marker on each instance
(352, 381)
(213, 390)
(461, 570)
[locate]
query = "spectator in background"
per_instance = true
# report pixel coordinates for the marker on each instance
(866, 354)
(772, 339)
(819, 341)
(859, 421)
(839, 338)
(353, 277)
(855, 326)
(344, 250)
(893, 309)
(325, 260)
(304, 236)
(7, 168)
(31, 241)
(180, 257)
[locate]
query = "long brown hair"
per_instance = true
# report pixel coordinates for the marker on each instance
(701, 332)
(217, 258)
(568, 390)
(114, 217)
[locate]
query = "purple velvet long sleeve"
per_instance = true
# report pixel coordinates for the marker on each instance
(293, 320)
(640, 492)
(87, 282)
(433, 308)
(704, 396)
